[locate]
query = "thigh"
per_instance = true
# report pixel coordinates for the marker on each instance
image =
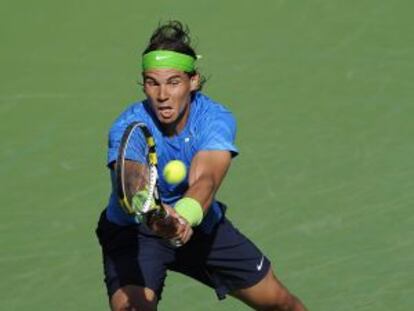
(132, 256)
(225, 260)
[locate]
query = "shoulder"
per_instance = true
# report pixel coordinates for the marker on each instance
(137, 111)
(214, 127)
(209, 111)
(132, 112)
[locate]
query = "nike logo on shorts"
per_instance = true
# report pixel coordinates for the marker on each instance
(260, 265)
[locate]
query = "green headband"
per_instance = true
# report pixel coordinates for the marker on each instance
(167, 59)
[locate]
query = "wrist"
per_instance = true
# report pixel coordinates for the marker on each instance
(190, 209)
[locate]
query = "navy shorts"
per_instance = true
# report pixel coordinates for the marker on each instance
(224, 259)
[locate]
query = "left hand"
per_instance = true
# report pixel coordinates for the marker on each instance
(173, 227)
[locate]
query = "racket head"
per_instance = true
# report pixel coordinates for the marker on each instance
(136, 172)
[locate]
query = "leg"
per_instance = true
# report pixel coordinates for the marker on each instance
(134, 298)
(233, 265)
(134, 266)
(269, 295)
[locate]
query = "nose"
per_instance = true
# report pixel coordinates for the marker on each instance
(163, 94)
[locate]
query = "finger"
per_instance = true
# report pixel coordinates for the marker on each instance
(176, 242)
(181, 233)
(187, 234)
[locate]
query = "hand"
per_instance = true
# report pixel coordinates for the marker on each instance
(173, 227)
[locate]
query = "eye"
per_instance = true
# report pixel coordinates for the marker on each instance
(174, 82)
(150, 82)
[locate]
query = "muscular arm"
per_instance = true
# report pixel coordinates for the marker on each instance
(207, 171)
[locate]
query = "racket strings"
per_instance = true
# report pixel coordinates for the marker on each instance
(141, 149)
(139, 175)
(149, 204)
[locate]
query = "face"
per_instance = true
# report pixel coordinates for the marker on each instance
(169, 92)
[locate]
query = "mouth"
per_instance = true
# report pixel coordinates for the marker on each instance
(165, 112)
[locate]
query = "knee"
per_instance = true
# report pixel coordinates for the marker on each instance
(131, 298)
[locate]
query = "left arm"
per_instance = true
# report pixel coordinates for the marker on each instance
(207, 171)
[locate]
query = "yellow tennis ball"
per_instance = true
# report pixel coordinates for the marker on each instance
(174, 172)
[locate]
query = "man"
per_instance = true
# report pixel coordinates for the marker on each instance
(190, 127)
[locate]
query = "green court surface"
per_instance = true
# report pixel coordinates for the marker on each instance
(324, 98)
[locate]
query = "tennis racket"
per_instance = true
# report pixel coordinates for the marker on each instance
(137, 174)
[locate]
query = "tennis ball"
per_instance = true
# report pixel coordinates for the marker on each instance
(174, 172)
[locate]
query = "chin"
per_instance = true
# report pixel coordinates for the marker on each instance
(168, 121)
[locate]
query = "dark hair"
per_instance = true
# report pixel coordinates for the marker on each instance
(173, 36)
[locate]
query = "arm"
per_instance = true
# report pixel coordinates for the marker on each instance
(208, 168)
(207, 171)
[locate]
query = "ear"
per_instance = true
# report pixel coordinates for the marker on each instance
(195, 82)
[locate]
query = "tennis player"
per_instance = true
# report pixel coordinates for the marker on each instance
(188, 126)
